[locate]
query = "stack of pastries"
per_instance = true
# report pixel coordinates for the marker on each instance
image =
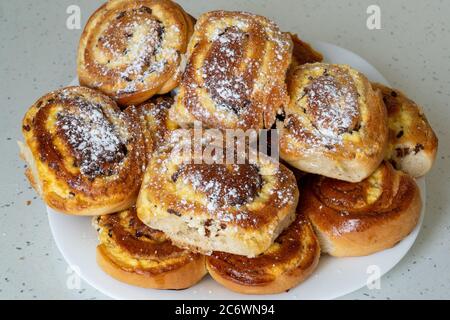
(345, 185)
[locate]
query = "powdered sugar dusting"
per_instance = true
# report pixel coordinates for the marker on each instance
(133, 48)
(228, 88)
(143, 47)
(333, 107)
(326, 108)
(240, 60)
(224, 185)
(95, 143)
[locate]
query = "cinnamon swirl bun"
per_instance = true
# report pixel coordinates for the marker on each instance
(235, 75)
(290, 260)
(412, 143)
(85, 156)
(215, 206)
(133, 49)
(335, 124)
(356, 219)
(133, 253)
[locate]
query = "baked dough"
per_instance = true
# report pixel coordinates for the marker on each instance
(357, 219)
(412, 142)
(156, 126)
(289, 261)
(235, 73)
(133, 253)
(303, 53)
(134, 49)
(235, 208)
(335, 124)
(85, 156)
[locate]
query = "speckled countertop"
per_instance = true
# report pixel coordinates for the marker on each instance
(38, 52)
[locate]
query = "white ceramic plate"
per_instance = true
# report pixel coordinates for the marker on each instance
(334, 277)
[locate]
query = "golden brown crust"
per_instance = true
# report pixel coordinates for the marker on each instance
(133, 49)
(235, 75)
(84, 154)
(156, 126)
(335, 125)
(355, 219)
(289, 261)
(238, 208)
(182, 278)
(303, 53)
(135, 254)
(412, 142)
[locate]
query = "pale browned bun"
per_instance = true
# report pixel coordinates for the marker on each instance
(156, 126)
(335, 124)
(288, 262)
(134, 49)
(412, 142)
(235, 74)
(357, 219)
(84, 155)
(235, 208)
(133, 253)
(303, 53)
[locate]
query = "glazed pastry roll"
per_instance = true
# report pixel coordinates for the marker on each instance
(132, 50)
(235, 73)
(303, 53)
(155, 123)
(289, 261)
(133, 253)
(335, 124)
(85, 156)
(412, 142)
(357, 219)
(235, 208)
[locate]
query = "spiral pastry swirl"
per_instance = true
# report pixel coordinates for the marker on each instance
(335, 124)
(290, 259)
(235, 74)
(354, 219)
(136, 254)
(85, 156)
(236, 208)
(412, 144)
(132, 50)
